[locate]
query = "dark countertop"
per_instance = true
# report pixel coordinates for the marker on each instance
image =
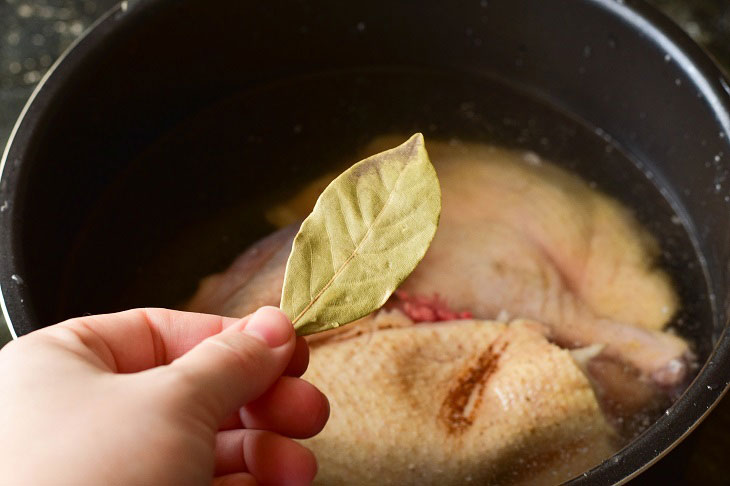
(33, 33)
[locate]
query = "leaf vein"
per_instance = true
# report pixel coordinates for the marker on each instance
(345, 219)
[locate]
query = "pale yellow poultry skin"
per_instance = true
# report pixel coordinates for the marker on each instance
(452, 403)
(548, 248)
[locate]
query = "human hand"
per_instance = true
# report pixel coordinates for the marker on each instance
(154, 396)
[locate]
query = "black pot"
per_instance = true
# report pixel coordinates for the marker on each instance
(170, 114)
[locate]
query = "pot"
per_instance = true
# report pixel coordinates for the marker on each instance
(146, 156)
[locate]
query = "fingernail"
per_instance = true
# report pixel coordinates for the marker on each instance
(270, 325)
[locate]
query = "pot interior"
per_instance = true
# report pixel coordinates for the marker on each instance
(194, 199)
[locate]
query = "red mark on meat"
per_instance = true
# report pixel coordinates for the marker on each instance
(460, 407)
(427, 309)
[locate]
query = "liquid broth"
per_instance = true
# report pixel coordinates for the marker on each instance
(237, 158)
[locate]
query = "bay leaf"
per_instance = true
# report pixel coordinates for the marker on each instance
(367, 232)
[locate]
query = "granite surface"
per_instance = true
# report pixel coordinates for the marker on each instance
(33, 33)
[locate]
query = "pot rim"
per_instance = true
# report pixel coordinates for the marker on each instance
(700, 397)
(26, 116)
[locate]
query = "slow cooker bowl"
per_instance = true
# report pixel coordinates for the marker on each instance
(147, 67)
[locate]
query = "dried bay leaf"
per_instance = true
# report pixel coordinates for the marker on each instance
(368, 231)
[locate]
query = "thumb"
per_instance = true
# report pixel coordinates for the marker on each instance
(226, 371)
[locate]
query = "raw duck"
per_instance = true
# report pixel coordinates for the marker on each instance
(472, 398)
(518, 237)
(456, 402)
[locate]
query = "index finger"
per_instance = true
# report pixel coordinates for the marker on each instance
(140, 339)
